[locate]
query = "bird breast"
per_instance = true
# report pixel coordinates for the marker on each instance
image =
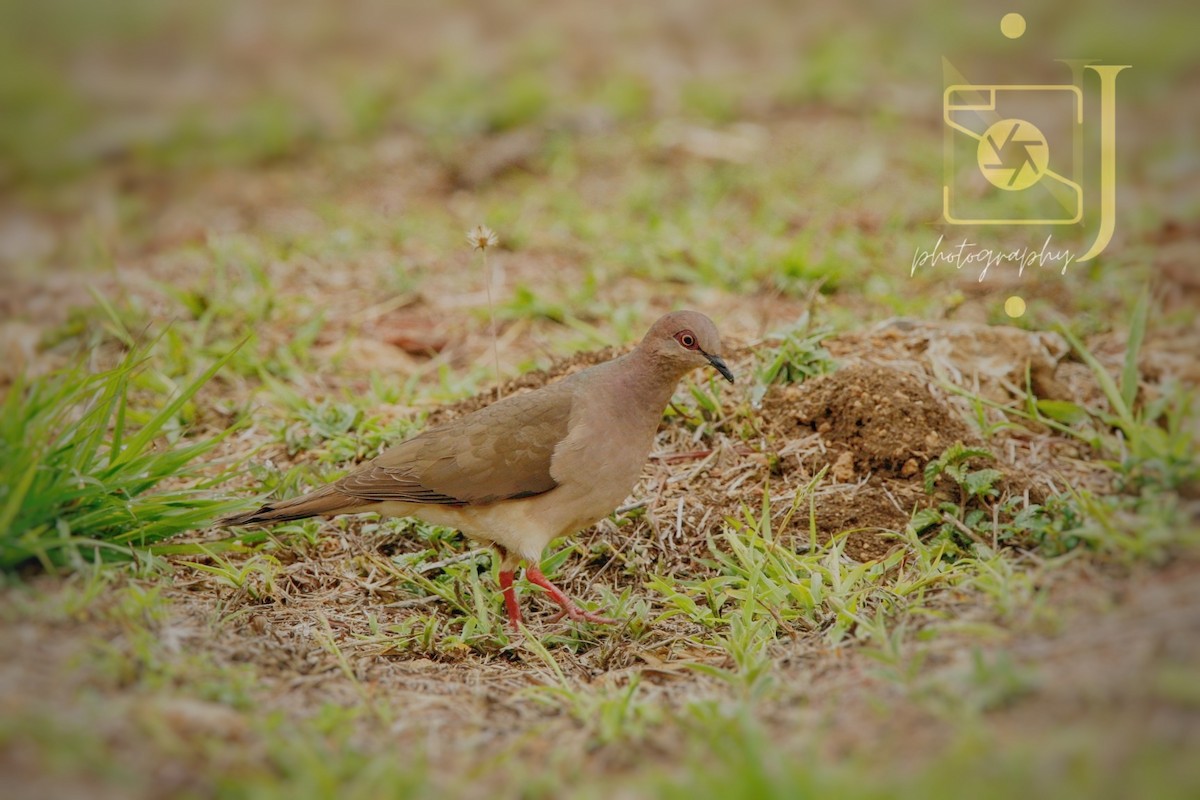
(602, 458)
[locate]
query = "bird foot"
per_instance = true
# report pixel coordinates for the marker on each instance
(569, 609)
(581, 615)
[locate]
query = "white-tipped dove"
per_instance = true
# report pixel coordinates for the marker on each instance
(531, 467)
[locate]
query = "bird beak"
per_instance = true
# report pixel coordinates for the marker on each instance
(719, 366)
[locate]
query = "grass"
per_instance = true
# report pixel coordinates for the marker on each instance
(791, 357)
(1146, 445)
(766, 584)
(83, 463)
(1149, 439)
(309, 214)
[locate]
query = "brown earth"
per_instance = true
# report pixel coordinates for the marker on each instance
(876, 428)
(310, 631)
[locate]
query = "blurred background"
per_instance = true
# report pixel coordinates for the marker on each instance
(177, 177)
(765, 148)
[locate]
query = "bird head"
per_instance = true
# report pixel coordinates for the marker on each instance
(685, 340)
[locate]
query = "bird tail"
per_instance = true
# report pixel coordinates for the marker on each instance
(325, 500)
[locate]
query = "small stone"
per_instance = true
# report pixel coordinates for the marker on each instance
(910, 468)
(843, 468)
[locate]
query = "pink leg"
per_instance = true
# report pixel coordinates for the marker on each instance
(571, 610)
(510, 598)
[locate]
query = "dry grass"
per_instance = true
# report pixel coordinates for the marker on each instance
(729, 160)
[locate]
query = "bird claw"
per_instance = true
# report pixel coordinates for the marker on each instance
(580, 615)
(569, 609)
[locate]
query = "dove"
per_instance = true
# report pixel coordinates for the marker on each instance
(531, 467)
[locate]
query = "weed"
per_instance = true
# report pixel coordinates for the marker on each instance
(1154, 448)
(79, 477)
(794, 356)
(255, 576)
(1149, 446)
(961, 522)
(954, 463)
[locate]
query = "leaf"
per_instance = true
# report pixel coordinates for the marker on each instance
(1062, 411)
(958, 453)
(932, 470)
(1137, 331)
(925, 519)
(980, 482)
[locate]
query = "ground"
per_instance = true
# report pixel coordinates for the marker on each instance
(920, 548)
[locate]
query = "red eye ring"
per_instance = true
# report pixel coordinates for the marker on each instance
(687, 339)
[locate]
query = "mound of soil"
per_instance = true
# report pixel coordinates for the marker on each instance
(874, 428)
(871, 419)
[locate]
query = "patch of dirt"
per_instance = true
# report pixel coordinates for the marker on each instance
(883, 418)
(1176, 248)
(990, 360)
(869, 515)
(310, 626)
(874, 428)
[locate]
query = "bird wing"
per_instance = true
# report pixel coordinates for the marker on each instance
(500, 452)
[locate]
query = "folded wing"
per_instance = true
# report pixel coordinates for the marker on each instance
(500, 452)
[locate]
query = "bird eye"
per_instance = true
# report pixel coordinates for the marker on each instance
(687, 339)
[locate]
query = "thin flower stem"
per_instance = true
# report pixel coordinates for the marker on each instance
(481, 237)
(487, 272)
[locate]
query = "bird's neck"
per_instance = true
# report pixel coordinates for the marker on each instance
(646, 383)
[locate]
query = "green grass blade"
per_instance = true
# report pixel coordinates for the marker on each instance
(16, 497)
(1137, 332)
(118, 432)
(152, 428)
(1107, 384)
(115, 324)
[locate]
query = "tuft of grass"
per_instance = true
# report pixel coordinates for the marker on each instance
(79, 477)
(609, 711)
(1151, 443)
(255, 576)
(795, 356)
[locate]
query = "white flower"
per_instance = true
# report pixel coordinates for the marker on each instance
(481, 237)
